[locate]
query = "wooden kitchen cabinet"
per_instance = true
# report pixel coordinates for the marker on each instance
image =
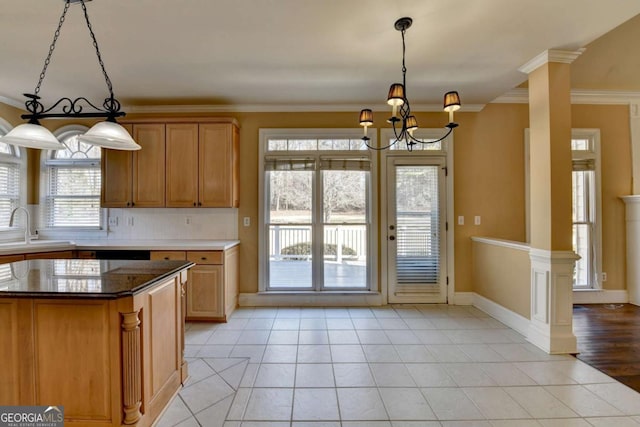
(212, 285)
(136, 178)
(202, 165)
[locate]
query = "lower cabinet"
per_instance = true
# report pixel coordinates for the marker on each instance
(212, 285)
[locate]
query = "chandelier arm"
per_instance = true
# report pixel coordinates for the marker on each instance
(412, 138)
(366, 142)
(95, 45)
(70, 108)
(52, 47)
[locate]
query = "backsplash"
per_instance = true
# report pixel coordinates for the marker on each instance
(172, 223)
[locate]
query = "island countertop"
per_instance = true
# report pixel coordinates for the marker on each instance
(83, 278)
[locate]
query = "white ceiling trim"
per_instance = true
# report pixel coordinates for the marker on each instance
(551, 55)
(578, 96)
(270, 108)
(12, 102)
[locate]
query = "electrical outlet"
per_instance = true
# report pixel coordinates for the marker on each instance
(460, 220)
(604, 276)
(246, 221)
(113, 221)
(476, 220)
(130, 221)
(187, 220)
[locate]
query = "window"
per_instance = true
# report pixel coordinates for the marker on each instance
(586, 205)
(12, 179)
(586, 208)
(315, 210)
(72, 188)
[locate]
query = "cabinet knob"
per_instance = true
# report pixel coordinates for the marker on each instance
(194, 203)
(166, 258)
(199, 203)
(204, 258)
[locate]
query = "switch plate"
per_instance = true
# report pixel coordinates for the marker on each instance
(460, 220)
(187, 220)
(476, 220)
(246, 221)
(113, 221)
(604, 276)
(130, 221)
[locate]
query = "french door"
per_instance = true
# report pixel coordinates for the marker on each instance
(415, 230)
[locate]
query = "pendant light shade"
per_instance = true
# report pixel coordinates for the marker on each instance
(32, 136)
(109, 135)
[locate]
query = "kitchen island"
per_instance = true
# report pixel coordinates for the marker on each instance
(103, 338)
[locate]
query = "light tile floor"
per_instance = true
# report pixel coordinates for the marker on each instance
(397, 366)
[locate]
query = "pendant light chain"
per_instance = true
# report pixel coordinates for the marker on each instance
(95, 45)
(51, 48)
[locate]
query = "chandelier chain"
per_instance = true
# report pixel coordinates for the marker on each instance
(51, 48)
(95, 45)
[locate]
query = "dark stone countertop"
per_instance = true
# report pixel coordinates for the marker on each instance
(83, 278)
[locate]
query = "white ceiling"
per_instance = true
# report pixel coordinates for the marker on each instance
(291, 52)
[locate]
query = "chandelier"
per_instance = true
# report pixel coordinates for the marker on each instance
(403, 122)
(107, 134)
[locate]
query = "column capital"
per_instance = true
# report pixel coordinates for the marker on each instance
(551, 55)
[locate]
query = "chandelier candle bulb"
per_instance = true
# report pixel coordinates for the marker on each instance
(366, 119)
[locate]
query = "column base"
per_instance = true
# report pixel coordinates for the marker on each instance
(551, 327)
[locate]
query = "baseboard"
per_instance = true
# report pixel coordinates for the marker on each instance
(603, 296)
(310, 299)
(512, 319)
(463, 298)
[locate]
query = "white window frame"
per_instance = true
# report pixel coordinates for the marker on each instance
(18, 157)
(46, 230)
(593, 135)
(372, 239)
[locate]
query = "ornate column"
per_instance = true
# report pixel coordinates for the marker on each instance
(552, 257)
(131, 367)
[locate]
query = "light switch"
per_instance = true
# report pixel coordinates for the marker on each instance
(461, 220)
(246, 221)
(476, 220)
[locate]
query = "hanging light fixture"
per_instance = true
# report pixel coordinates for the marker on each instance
(403, 122)
(108, 134)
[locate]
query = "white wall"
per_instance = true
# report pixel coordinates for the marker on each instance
(173, 223)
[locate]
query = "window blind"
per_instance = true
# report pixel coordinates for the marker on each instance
(73, 197)
(9, 190)
(284, 164)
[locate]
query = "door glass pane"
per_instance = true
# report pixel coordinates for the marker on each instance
(345, 228)
(417, 222)
(290, 231)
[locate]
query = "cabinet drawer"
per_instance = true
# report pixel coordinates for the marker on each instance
(50, 255)
(205, 257)
(168, 256)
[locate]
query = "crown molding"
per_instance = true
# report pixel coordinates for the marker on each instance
(12, 102)
(551, 55)
(578, 96)
(275, 108)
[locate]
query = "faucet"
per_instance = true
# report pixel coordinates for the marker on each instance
(27, 228)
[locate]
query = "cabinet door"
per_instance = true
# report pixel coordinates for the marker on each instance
(216, 175)
(205, 292)
(182, 165)
(116, 177)
(149, 166)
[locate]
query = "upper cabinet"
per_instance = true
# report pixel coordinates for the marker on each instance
(182, 163)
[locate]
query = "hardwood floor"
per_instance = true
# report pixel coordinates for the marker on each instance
(609, 339)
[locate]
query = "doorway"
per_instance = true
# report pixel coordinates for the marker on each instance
(415, 229)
